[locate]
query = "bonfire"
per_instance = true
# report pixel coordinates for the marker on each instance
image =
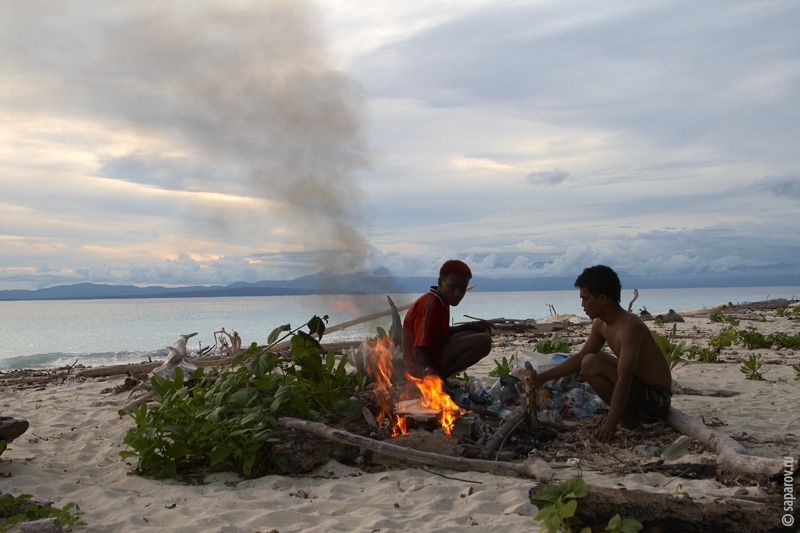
(419, 398)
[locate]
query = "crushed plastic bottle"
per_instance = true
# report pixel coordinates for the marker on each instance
(548, 415)
(678, 448)
(461, 397)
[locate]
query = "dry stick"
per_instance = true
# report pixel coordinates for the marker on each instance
(532, 468)
(507, 426)
(635, 295)
(529, 380)
(345, 325)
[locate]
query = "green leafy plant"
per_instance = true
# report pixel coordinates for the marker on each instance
(23, 509)
(751, 366)
(796, 369)
(501, 368)
(702, 353)
(228, 416)
(672, 351)
(554, 345)
(561, 502)
(717, 316)
(724, 339)
(658, 322)
(618, 524)
(752, 338)
(784, 340)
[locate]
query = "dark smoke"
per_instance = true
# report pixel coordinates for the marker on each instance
(244, 94)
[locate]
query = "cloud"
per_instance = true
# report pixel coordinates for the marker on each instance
(785, 186)
(547, 177)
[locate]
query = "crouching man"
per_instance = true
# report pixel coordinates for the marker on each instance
(430, 344)
(635, 382)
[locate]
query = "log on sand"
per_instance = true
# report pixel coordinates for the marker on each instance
(731, 455)
(532, 468)
(665, 513)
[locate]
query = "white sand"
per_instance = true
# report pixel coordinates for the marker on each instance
(71, 454)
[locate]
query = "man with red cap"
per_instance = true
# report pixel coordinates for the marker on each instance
(430, 344)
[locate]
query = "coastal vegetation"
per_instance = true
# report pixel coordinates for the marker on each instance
(228, 416)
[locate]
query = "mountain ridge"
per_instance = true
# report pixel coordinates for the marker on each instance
(380, 282)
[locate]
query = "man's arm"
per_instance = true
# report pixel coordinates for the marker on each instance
(594, 343)
(422, 358)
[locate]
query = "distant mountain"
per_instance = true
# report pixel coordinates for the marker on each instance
(380, 282)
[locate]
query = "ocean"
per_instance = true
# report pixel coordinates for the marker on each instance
(54, 333)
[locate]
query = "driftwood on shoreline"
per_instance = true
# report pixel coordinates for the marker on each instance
(532, 468)
(165, 370)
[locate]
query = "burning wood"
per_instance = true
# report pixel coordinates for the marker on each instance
(411, 397)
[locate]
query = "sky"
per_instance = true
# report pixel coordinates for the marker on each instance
(153, 142)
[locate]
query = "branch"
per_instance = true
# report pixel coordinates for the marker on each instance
(532, 468)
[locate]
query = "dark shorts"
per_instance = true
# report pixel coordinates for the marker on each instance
(649, 402)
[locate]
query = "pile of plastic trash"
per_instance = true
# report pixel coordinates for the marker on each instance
(565, 397)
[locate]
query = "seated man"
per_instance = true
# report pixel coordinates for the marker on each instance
(636, 384)
(430, 345)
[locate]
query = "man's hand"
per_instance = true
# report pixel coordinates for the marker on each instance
(480, 326)
(603, 434)
(423, 366)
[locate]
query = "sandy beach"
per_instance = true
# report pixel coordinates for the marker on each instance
(70, 453)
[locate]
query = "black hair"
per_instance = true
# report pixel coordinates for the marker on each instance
(600, 279)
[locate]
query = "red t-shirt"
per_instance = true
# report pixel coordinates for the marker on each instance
(427, 324)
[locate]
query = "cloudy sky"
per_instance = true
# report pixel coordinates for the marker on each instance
(151, 142)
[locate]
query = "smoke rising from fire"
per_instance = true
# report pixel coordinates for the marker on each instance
(236, 99)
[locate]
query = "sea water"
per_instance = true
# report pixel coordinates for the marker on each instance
(53, 333)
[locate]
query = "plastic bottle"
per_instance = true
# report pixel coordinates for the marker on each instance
(548, 415)
(460, 397)
(677, 449)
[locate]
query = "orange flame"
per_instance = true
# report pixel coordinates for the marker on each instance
(435, 398)
(380, 368)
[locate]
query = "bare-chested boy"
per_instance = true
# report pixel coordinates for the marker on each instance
(636, 383)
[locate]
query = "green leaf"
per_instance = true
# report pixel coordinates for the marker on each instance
(574, 487)
(548, 494)
(219, 454)
(569, 509)
(350, 408)
(629, 525)
(275, 333)
(317, 325)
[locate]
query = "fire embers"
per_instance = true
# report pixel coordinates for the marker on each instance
(408, 401)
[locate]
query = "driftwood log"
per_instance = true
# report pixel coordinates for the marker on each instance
(775, 303)
(144, 392)
(532, 468)
(666, 513)
(731, 455)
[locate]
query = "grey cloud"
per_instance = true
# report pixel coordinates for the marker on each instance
(547, 177)
(786, 186)
(681, 73)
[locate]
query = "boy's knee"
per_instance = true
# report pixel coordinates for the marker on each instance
(485, 342)
(589, 364)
